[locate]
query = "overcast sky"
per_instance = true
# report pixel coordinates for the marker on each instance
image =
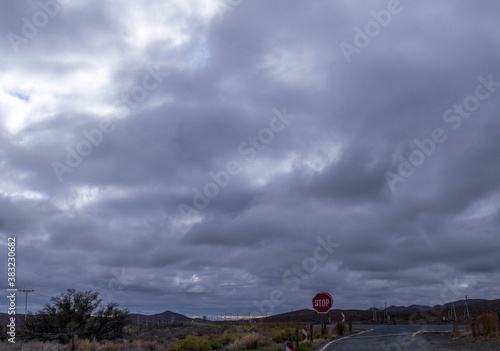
(238, 156)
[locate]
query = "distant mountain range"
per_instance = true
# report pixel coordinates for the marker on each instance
(397, 314)
(400, 313)
(398, 309)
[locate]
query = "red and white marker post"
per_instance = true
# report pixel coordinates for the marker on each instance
(304, 334)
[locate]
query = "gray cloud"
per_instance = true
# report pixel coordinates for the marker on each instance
(113, 221)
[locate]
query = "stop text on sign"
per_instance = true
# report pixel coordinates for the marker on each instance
(321, 303)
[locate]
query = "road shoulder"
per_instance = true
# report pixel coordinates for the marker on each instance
(325, 345)
(446, 342)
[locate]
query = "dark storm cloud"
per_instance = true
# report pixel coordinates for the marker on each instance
(355, 177)
(113, 221)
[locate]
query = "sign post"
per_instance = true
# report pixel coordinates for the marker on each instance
(322, 302)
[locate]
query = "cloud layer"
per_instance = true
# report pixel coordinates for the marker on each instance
(218, 156)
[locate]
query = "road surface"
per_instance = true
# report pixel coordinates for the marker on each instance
(385, 338)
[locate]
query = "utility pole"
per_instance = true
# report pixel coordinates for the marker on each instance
(26, 304)
(385, 313)
(467, 309)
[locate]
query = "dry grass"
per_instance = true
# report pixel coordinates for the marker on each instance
(489, 323)
(247, 342)
(339, 329)
(475, 328)
(281, 325)
(110, 346)
(38, 345)
(215, 337)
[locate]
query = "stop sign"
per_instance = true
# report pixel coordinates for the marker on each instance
(322, 302)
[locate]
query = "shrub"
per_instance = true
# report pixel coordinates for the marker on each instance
(247, 342)
(489, 323)
(339, 328)
(215, 344)
(194, 343)
(281, 336)
(78, 313)
(223, 340)
(305, 346)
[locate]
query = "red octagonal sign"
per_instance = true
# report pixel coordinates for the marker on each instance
(322, 302)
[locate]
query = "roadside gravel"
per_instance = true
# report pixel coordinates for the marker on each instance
(445, 342)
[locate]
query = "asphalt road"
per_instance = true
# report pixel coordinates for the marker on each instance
(386, 338)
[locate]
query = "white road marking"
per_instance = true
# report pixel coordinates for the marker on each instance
(347, 337)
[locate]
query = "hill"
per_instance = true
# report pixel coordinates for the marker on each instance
(167, 316)
(311, 316)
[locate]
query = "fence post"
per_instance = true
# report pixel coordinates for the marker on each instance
(312, 332)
